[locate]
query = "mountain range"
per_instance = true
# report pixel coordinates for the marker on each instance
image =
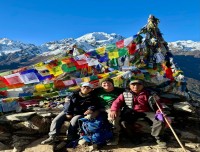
(16, 54)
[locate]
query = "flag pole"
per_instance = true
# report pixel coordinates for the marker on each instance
(166, 120)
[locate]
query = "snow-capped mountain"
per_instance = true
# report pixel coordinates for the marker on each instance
(185, 45)
(15, 54)
(87, 42)
(8, 46)
(185, 48)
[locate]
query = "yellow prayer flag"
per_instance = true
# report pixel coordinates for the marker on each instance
(40, 87)
(41, 68)
(39, 64)
(140, 76)
(179, 84)
(162, 73)
(38, 93)
(101, 50)
(103, 75)
(86, 79)
(117, 81)
(113, 55)
(11, 99)
(74, 88)
(177, 73)
(56, 71)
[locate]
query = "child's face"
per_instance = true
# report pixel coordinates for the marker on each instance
(92, 115)
(136, 87)
(107, 85)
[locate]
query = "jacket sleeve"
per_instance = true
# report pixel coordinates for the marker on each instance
(69, 106)
(159, 104)
(117, 103)
(152, 102)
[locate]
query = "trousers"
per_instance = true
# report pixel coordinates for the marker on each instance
(156, 126)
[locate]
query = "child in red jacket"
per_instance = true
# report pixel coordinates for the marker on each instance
(135, 103)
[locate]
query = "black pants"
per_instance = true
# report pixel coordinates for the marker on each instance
(129, 117)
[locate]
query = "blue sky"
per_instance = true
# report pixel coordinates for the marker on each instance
(40, 21)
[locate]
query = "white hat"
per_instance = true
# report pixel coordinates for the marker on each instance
(86, 84)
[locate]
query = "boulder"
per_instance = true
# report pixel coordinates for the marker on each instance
(3, 146)
(17, 116)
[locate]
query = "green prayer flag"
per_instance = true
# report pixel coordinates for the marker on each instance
(67, 69)
(123, 51)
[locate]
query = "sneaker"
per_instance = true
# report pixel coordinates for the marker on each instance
(49, 140)
(161, 143)
(82, 142)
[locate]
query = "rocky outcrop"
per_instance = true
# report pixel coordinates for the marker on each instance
(24, 132)
(19, 130)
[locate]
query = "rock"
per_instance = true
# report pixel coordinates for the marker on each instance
(188, 135)
(30, 125)
(43, 114)
(170, 96)
(4, 127)
(25, 132)
(16, 149)
(36, 147)
(4, 136)
(193, 145)
(17, 116)
(35, 124)
(3, 147)
(184, 106)
(19, 142)
(42, 123)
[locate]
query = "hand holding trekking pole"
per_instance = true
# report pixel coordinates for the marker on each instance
(166, 120)
(113, 114)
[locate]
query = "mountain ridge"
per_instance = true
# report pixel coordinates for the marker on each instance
(94, 39)
(16, 54)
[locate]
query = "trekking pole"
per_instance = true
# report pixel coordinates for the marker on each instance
(170, 126)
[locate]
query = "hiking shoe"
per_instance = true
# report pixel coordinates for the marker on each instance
(161, 143)
(49, 140)
(60, 145)
(82, 142)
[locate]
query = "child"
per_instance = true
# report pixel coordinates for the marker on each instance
(95, 129)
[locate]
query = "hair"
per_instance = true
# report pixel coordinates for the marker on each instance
(107, 79)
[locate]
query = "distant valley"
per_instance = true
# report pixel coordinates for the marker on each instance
(190, 66)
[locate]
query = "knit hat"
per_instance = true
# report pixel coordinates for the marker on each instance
(106, 79)
(137, 82)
